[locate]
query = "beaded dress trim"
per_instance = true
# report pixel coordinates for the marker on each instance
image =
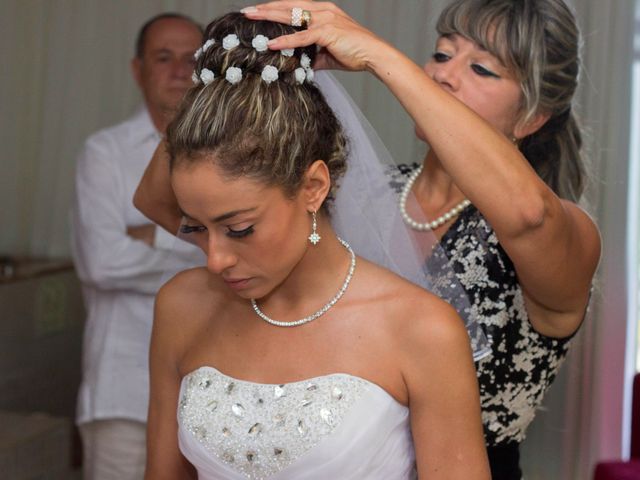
(259, 429)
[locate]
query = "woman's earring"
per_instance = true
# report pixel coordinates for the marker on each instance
(314, 238)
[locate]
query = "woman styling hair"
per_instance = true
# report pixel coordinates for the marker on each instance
(499, 183)
(288, 356)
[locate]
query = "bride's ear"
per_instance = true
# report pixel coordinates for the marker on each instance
(316, 185)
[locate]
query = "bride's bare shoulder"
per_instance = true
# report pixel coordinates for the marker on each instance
(412, 313)
(190, 297)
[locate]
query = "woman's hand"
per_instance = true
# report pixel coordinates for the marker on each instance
(346, 45)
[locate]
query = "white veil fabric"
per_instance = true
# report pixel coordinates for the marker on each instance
(367, 215)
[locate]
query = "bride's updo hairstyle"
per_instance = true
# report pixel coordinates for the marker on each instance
(256, 112)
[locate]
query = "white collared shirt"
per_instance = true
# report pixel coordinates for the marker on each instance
(120, 275)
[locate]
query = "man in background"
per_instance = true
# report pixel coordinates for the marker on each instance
(122, 258)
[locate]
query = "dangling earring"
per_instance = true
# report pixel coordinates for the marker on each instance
(314, 238)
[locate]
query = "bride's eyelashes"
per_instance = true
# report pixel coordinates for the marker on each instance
(239, 233)
(189, 229)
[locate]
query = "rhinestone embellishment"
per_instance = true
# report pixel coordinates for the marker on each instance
(259, 440)
(315, 238)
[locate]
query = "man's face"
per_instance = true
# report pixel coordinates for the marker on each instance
(163, 73)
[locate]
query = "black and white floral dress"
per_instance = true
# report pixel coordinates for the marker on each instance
(522, 363)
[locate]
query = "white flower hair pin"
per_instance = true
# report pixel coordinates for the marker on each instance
(269, 74)
(259, 42)
(287, 52)
(207, 45)
(305, 62)
(207, 76)
(233, 75)
(300, 74)
(230, 42)
(203, 48)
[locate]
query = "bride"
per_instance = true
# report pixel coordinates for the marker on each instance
(287, 356)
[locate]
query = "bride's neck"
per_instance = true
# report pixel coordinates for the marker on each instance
(316, 278)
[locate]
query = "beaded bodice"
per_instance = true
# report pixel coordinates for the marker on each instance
(258, 430)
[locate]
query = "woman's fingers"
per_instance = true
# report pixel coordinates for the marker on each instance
(280, 11)
(348, 44)
(273, 14)
(295, 40)
(289, 4)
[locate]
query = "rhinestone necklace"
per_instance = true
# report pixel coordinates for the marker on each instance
(423, 227)
(324, 309)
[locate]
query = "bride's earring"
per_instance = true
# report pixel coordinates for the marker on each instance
(314, 238)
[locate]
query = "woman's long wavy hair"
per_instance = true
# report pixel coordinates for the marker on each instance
(538, 40)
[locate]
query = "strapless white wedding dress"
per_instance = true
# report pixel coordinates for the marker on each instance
(334, 427)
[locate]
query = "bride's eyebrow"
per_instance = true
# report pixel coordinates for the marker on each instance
(220, 218)
(185, 214)
(228, 215)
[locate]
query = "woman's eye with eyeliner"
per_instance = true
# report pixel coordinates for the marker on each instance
(187, 229)
(440, 57)
(239, 233)
(485, 72)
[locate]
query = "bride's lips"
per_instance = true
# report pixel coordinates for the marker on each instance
(237, 283)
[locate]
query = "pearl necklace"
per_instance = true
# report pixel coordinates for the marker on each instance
(423, 227)
(324, 309)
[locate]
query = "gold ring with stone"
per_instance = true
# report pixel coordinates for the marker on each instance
(306, 19)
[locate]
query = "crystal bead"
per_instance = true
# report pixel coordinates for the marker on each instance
(255, 429)
(204, 384)
(251, 456)
(229, 388)
(302, 428)
(212, 405)
(279, 419)
(278, 391)
(336, 393)
(327, 416)
(278, 451)
(228, 457)
(237, 409)
(226, 432)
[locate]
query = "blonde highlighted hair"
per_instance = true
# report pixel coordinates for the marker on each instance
(539, 42)
(269, 131)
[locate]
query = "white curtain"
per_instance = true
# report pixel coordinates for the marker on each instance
(586, 414)
(66, 73)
